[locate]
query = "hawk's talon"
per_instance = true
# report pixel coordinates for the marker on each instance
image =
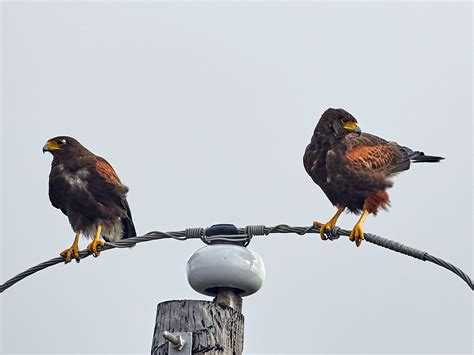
(329, 225)
(357, 234)
(92, 247)
(69, 252)
(72, 251)
(322, 228)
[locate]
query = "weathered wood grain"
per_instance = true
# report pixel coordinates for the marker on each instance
(217, 329)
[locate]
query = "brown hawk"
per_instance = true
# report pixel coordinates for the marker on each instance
(354, 169)
(88, 191)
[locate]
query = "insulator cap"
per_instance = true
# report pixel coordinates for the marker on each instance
(225, 265)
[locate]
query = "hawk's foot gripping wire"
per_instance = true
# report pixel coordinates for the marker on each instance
(72, 251)
(330, 224)
(357, 233)
(97, 242)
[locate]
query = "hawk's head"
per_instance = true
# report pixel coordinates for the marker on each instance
(339, 122)
(63, 146)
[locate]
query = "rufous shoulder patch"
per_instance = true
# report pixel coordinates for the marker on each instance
(372, 157)
(362, 152)
(107, 172)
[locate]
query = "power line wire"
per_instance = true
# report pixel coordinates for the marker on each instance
(245, 235)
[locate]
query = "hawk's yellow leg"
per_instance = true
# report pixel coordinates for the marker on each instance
(330, 224)
(92, 247)
(73, 250)
(357, 234)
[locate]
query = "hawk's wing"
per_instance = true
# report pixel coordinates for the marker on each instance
(105, 170)
(370, 153)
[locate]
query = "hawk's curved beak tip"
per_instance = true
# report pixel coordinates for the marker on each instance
(45, 148)
(357, 131)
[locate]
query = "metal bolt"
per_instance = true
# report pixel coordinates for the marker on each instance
(177, 341)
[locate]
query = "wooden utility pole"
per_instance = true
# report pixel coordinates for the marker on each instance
(216, 329)
(225, 270)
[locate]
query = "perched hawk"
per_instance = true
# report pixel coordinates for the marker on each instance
(353, 168)
(88, 191)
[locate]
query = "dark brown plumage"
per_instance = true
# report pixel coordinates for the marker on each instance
(354, 169)
(88, 191)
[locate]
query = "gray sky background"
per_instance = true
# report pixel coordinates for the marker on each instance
(204, 110)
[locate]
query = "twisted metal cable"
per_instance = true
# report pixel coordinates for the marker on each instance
(245, 235)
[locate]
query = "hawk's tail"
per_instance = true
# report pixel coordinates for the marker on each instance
(127, 222)
(420, 157)
(128, 228)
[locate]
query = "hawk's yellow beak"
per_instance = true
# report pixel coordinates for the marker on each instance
(353, 127)
(50, 146)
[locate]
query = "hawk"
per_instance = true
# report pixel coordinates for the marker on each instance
(354, 169)
(88, 191)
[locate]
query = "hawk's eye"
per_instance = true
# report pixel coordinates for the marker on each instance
(61, 141)
(344, 120)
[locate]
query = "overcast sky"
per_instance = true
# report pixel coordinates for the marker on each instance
(204, 110)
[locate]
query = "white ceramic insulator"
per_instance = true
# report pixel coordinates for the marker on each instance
(225, 265)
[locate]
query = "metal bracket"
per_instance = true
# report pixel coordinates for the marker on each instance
(180, 343)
